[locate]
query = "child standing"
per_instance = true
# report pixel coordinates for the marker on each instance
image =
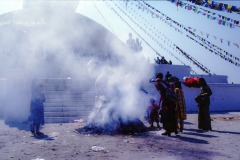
(153, 113)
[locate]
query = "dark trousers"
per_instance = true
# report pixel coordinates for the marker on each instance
(34, 127)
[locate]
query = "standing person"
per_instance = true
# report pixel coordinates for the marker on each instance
(138, 46)
(131, 42)
(167, 111)
(180, 104)
(168, 76)
(203, 100)
(153, 113)
(37, 109)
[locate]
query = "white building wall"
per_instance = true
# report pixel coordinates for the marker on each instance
(2, 95)
(224, 97)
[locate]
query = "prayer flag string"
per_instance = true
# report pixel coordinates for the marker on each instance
(215, 5)
(170, 22)
(194, 61)
(220, 19)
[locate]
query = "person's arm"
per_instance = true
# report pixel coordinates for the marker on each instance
(206, 92)
(160, 101)
(31, 106)
(156, 60)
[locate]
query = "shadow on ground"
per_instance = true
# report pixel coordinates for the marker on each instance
(19, 125)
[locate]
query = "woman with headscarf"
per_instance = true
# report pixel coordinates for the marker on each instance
(203, 100)
(167, 111)
(180, 104)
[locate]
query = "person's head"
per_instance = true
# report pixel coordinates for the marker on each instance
(177, 82)
(130, 35)
(39, 88)
(168, 75)
(159, 75)
(202, 82)
(152, 101)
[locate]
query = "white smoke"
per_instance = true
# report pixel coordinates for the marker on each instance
(118, 90)
(48, 41)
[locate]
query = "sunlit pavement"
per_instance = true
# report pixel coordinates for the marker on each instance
(62, 141)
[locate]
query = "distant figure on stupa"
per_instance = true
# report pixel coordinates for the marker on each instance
(134, 45)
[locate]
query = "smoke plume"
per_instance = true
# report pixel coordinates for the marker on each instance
(46, 40)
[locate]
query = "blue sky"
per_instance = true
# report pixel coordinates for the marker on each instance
(203, 26)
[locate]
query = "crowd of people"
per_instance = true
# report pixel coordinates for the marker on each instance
(162, 60)
(171, 108)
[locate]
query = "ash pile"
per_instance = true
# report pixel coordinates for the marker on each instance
(109, 120)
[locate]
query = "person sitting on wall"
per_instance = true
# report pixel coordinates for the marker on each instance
(158, 61)
(163, 60)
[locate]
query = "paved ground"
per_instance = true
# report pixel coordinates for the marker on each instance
(64, 142)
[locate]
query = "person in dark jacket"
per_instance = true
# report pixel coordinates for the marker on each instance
(37, 109)
(167, 112)
(203, 100)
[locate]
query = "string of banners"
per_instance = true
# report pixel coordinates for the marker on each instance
(216, 6)
(194, 61)
(154, 15)
(108, 5)
(162, 46)
(215, 37)
(165, 40)
(220, 19)
(217, 50)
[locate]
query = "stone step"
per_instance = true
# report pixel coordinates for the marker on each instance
(70, 104)
(62, 80)
(69, 96)
(67, 99)
(67, 114)
(84, 87)
(69, 92)
(64, 119)
(67, 109)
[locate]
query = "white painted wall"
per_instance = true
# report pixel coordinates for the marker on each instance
(2, 95)
(224, 97)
